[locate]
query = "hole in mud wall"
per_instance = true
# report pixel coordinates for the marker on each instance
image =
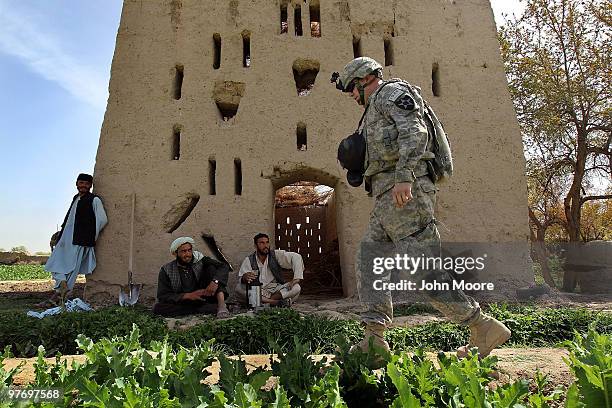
(301, 136)
(305, 73)
(178, 81)
(297, 19)
(237, 177)
(246, 49)
(176, 143)
(227, 95)
(388, 51)
(212, 176)
(435, 79)
(217, 50)
(356, 47)
(284, 25)
(305, 222)
(315, 19)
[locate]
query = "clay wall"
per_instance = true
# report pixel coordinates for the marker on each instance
(174, 149)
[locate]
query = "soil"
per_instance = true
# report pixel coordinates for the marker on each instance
(24, 295)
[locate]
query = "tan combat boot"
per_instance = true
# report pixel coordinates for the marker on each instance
(375, 331)
(486, 333)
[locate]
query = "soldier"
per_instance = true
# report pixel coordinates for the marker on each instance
(396, 172)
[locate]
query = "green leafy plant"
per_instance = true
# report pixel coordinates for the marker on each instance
(23, 272)
(120, 372)
(590, 361)
(296, 370)
(530, 326)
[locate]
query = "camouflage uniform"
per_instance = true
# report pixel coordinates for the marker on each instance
(397, 143)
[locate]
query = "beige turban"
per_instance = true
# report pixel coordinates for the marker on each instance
(180, 241)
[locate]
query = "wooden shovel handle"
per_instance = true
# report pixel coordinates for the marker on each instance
(131, 257)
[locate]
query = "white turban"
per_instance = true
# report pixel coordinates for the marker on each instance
(180, 241)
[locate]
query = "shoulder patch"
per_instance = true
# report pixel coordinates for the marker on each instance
(396, 94)
(404, 101)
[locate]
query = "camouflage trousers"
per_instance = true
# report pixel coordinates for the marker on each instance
(409, 230)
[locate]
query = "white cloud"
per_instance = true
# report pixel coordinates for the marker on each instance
(42, 53)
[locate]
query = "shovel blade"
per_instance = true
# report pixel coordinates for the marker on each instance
(128, 295)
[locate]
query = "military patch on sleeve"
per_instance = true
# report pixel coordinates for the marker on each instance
(405, 102)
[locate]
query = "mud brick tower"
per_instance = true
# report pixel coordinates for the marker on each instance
(214, 105)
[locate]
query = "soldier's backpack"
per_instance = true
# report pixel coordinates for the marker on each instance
(441, 165)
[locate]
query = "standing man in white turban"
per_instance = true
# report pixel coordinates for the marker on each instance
(74, 244)
(192, 283)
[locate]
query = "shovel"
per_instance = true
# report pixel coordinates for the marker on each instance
(128, 295)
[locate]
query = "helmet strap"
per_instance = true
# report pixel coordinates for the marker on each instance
(361, 88)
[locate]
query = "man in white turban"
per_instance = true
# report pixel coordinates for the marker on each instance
(192, 283)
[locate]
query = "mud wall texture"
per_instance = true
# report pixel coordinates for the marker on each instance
(172, 134)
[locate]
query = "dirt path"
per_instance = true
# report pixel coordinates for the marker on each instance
(514, 363)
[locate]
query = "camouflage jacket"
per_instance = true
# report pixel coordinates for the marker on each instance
(396, 136)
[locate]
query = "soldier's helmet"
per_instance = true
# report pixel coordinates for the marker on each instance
(357, 68)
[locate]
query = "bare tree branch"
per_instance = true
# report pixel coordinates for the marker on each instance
(597, 197)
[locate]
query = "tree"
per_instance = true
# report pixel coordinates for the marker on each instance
(558, 57)
(21, 249)
(545, 211)
(597, 220)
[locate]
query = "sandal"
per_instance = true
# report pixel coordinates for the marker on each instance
(46, 304)
(223, 314)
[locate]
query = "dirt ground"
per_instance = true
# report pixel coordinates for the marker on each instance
(23, 295)
(26, 293)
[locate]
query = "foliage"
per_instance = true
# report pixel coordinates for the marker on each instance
(6, 376)
(296, 370)
(597, 221)
(557, 58)
(58, 333)
(247, 335)
(23, 272)
(20, 250)
(120, 372)
(362, 386)
(555, 264)
(590, 361)
(414, 309)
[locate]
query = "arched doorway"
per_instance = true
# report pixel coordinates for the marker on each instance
(305, 222)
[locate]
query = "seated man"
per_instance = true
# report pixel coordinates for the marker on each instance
(192, 283)
(268, 266)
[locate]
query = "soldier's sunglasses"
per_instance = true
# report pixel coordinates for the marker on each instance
(348, 88)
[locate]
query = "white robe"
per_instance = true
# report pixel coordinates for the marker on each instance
(68, 260)
(286, 260)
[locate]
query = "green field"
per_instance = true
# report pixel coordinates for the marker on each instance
(127, 372)
(23, 272)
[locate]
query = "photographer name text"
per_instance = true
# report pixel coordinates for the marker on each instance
(407, 285)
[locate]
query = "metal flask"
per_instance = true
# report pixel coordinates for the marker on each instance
(254, 294)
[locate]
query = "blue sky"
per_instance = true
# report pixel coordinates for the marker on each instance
(55, 58)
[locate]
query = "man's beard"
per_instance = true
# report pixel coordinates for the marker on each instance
(263, 253)
(180, 261)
